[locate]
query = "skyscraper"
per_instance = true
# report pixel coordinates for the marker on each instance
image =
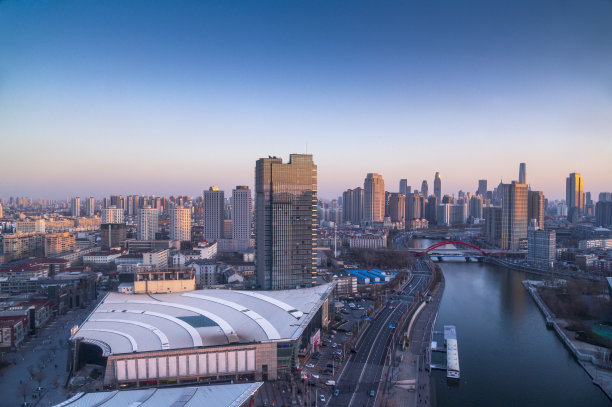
(75, 206)
(241, 217)
(438, 187)
(404, 188)
(147, 223)
(374, 198)
(285, 222)
(574, 188)
(514, 216)
(352, 206)
(90, 206)
(397, 207)
(424, 189)
(522, 173)
(413, 207)
(180, 223)
(214, 204)
(535, 207)
(482, 188)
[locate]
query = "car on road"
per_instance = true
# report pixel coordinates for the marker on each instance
(336, 392)
(372, 392)
(349, 333)
(322, 398)
(309, 365)
(334, 345)
(316, 376)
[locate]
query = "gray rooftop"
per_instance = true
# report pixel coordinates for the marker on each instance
(230, 395)
(126, 323)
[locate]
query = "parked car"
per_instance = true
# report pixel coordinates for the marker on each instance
(336, 392)
(372, 392)
(309, 365)
(322, 398)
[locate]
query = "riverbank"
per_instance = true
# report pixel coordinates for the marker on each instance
(537, 271)
(601, 377)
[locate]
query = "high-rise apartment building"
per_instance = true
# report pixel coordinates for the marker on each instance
(574, 192)
(75, 207)
(90, 207)
(117, 201)
(522, 173)
(148, 221)
(180, 223)
(57, 243)
(535, 207)
(352, 206)
(241, 217)
(285, 222)
(397, 207)
(112, 214)
(482, 187)
(424, 189)
(214, 205)
(374, 198)
(514, 216)
(438, 186)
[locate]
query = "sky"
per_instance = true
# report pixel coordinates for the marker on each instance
(171, 97)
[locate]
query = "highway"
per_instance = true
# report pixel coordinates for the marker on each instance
(362, 373)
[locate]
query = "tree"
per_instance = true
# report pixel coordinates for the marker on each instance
(23, 389)
(40, 376)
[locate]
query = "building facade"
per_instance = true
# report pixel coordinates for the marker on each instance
(241, 217)
(180, 223)
(374, 198)
(514, 216)
(148, 223)
(286, 222)
(214, 203)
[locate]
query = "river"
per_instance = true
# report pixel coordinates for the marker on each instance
(506, 354)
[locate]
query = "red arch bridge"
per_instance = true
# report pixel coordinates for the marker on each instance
(467, 250)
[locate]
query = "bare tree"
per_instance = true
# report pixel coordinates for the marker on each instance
(40, 376)
(31, 370)
(23, 389)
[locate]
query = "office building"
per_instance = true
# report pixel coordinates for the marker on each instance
(112, 235)
(574, 192)
(352, 206)
(374, 198)
(457, 214)
(535, 207)
(180, 223)
(493, 224)
(413, 206)
(90, 207)
(432, 210)
(286, 222)
(112, 214)
(475, 207)
(424, 189)
(514, 216)
(214, 205)
(404, 188)
(241, 217)
(541, 246)
(397, 207)
(482, 187)
(148, 221)
(603, 213)
(522, 173)
(438, 187)
(75, 207)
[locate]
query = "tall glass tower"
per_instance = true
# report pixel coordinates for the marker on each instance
(285, 222)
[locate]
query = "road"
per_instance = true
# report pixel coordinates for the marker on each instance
(363, 372)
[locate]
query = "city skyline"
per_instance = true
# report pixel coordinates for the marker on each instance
(363, 88)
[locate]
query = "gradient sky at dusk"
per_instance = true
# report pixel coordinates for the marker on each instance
(167, 97)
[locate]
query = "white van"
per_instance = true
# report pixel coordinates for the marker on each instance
(330, 383)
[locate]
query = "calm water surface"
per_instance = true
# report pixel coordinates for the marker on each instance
(506, 354)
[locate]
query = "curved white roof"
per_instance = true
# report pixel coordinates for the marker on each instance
(125, 323)
(229, 395)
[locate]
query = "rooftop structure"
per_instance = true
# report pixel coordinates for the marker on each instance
(234, 395)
